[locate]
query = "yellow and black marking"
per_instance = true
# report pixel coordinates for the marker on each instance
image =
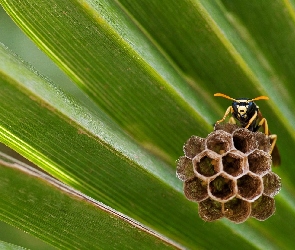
(247, 113)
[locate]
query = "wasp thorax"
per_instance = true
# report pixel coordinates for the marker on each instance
(229, 174)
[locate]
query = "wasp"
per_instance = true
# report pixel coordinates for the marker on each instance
(247, 113)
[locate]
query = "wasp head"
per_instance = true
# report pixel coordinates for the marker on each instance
(244, 108)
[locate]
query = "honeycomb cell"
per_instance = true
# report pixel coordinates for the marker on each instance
(194, 146)
(210, 210)
(195, 189)
(237, 210)
(272, 184)
(263, 142)
(234, 163)
(222, 188)
(206, 164)
(227, 127)
(259, 162)
(244, 140)
(250, 187)
(184, 170)
(219, 141)
(263, 208)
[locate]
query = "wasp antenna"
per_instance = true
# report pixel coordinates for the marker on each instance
(225, 96)
(260, 98)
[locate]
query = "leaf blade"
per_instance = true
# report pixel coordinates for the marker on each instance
(111, 87)
(64, 217)
(127, 184)
(246, 85)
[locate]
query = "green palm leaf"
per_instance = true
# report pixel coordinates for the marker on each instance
(147, 73)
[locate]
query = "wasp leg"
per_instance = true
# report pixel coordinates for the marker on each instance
(232, 120)
(263, 123)
(273, 138)
(252, 119)
(229, 110)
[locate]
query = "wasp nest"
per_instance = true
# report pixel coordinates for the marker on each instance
(229, 174)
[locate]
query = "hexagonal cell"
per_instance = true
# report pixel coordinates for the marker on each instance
(237, 210)
(194, 146)
(259, 162)
(184, 170)
(206, 164)
(244, 140)
(234, 163)
(222, 188)
(210, 210)
(263, 208)
(195, 189)
(263, 141)
(272, 184)
(227, 127)
(219, 141)
(250, 187)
